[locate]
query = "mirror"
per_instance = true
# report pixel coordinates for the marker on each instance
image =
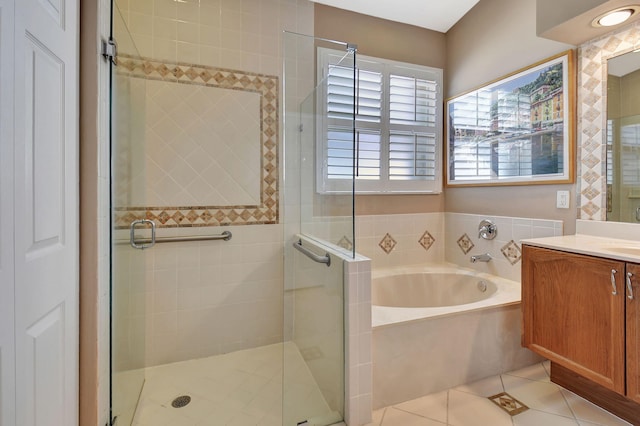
(623, 138)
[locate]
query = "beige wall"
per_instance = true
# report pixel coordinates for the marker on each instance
(390, 40)
(496, 38)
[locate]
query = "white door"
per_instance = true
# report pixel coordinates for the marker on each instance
(7, 343)
(45, 216)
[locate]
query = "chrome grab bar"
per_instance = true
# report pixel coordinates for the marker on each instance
(613, 282)
(144, 243)
(326, 259)
(629, 286)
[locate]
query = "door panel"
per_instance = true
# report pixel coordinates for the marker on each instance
(46, 206)
(44, 137)
(7, 330)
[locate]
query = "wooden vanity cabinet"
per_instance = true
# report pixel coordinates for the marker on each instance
(583, 314)
(633, 333)
(571, 315)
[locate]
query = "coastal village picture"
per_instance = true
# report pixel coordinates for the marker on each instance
(511, 129)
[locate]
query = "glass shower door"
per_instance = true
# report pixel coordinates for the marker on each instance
(128, 276)
(317, 222)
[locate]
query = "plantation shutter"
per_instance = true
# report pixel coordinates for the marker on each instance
(398, 115)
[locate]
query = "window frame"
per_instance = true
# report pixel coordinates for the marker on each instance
(384, 185)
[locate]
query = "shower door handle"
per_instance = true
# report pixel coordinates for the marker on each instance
(132, 234)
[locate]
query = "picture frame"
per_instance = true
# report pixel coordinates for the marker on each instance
(516, 130)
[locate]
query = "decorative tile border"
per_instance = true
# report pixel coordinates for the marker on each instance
(387, 244)
(345, 243)
(465, 243)
(179, 216)
(512, 252)
(426, 240)
(592, 117)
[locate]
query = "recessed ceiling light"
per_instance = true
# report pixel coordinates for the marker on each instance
(615, 17)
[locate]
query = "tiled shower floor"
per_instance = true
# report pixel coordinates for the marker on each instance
(240, 388)
(467, 405)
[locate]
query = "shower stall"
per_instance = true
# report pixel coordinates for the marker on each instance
(228, 264)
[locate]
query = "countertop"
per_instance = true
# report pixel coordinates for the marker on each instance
(610, 248)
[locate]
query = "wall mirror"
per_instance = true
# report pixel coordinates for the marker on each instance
(623, 138)
(517, 130)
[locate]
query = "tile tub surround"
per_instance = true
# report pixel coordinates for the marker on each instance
(505, 249)
(468, 405)
(410, 239)
(417, 358)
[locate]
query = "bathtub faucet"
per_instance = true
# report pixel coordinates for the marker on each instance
(481, 258)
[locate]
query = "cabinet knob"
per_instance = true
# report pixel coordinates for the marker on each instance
(613, 282)
(629, 286)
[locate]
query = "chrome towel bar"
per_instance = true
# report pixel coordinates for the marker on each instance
(326, 259)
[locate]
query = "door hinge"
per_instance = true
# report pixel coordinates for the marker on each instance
(110, 51)
(113, 421)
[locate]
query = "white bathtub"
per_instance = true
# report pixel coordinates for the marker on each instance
(435, 328)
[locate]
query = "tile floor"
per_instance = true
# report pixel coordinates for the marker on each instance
(240, 388)
(468, 405)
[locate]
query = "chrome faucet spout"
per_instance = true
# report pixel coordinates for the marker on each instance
(481, 258)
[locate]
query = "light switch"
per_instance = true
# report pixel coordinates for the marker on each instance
(562, 199)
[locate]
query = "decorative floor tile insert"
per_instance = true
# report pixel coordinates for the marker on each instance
(512, 252)
(387, 243)
(508, 403)
(465, 243)
(426, 240)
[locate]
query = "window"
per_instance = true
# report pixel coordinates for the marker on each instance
(398, 116)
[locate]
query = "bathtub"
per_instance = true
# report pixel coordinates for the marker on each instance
(440, 326)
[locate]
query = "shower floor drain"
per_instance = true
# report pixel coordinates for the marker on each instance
(181, 401)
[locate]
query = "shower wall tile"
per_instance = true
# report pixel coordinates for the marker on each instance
(359, 386)
(200, 299)
(243, 31)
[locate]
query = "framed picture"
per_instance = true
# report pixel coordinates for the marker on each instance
(517, 130)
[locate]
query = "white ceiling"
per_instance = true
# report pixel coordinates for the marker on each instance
(437, 15)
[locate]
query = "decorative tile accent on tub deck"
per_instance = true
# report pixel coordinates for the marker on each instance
(512, 252)
(387, 243)
(508, 403)
(266, 212)
(426, 240)
(465, 243)
(345, 243)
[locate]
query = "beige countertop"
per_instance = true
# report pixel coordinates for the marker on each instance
(610, 248)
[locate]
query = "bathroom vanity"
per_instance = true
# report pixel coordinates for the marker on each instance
(581, 310)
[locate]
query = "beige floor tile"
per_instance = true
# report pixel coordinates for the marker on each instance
(585, 410)
(485, 387)
(432, 406)
(538, 418)
(535, 372)
(539, 395)
(466, 409)
(394, 417)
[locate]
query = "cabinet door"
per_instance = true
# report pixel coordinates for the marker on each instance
(571, 315)
(633, 333)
